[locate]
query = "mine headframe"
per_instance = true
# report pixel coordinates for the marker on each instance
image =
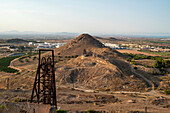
(44, 89)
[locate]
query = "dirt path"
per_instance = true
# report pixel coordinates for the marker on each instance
(12, 65)
(152, 92)
(147, 80)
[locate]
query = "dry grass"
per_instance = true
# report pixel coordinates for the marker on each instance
(136, 52)
(145, 62)
(74, 100)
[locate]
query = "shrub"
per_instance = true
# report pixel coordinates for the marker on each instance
(158, 64)
(20, 60)
(60, 56)
(26, 60)
(61, 111)
(76, 56)
(17, 73)
(167, 92)
(135, 67)
(154, 73)
(34, 58)
(49, 55)
(17, 100)
(22, 111)
(147, 66)
(133, 62)
(107, 90)
(128, 59)
(1, 106)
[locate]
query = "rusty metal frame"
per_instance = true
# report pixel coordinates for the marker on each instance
(44, 89)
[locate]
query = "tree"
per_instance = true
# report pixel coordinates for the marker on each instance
(158, 64)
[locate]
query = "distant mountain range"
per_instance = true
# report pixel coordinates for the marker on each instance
(35, 34)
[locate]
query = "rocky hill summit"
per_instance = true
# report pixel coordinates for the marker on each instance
(102, 69)
(77, 45)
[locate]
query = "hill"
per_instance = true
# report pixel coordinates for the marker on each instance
(77, 45)
(103, 69)
(16, 40)
(108, 38)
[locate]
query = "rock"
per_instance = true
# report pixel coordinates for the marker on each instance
(131, 101)
(52, 110)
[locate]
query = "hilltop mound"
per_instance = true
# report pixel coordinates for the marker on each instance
(103, 69)
(77, 45)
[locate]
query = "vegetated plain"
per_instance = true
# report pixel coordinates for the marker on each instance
(157, 53)
(5, 62)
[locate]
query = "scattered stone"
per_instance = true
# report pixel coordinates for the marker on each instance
(131, 101)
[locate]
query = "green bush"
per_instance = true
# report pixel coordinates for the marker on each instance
(22, 111)
(135, 67)
(154, 73)
(128, 59)
(34, 58)
(161, 64)
(59, 56)
(61, 111)
(26, 60)
(133, 62)
(17, 100)
(1, 106)
(167, 92)
(76, 56)
(18, 73)
(20, 60)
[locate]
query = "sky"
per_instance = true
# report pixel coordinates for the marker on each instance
(92, 16)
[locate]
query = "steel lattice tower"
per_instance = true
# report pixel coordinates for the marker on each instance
(44, 89)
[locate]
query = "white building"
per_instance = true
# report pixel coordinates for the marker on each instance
(30, 43)
(48, 45)
(59, 45)
(113, 46)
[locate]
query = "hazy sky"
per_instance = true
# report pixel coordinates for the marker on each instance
(93, 16)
